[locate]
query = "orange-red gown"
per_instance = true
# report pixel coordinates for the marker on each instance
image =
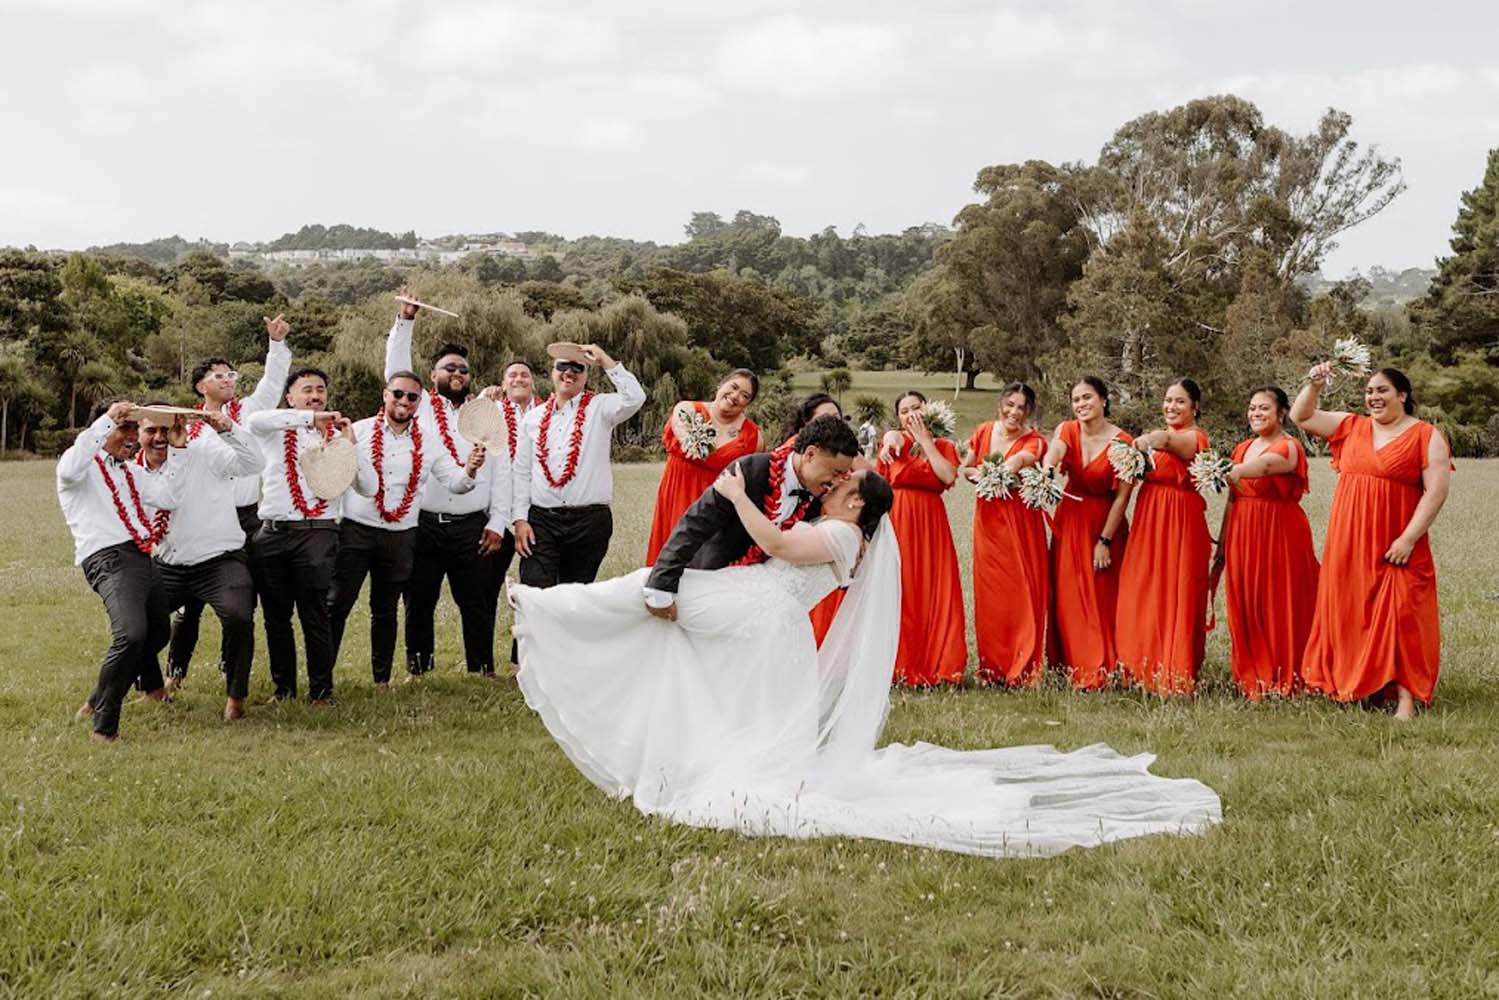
(1010, 576)
(1376, 624)
(685, 479)
(1081, 638)
(933, 645)
(1160, 623)
(1269, 577)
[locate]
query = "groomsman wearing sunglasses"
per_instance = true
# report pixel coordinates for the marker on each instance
(216, 383)
(457, 533)
(563, 480)
(378, 537)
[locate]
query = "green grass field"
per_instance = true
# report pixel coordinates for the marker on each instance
(434, 842)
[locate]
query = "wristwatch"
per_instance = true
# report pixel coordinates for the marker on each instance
(1105, 540)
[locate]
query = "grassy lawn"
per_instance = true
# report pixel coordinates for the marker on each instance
(434, 842)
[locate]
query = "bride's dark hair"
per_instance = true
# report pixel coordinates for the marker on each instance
(877, 496)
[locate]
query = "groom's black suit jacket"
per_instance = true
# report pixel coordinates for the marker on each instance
(710, 535)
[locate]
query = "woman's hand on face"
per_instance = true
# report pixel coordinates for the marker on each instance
(916, 426)
(730, 483)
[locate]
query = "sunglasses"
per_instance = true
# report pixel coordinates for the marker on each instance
(399, 394)
(230, 376)
(569, 366)
(455, 369)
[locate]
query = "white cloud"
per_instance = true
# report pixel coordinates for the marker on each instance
(788, 175)
(604, 134)
(791, 58)
(498, 40)
(112, 85)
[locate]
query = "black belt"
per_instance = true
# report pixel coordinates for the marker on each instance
(586, 506)
(303, 525)
(441, 518)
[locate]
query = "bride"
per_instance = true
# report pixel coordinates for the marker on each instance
(731, 717)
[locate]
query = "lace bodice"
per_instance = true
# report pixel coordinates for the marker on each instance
(809, 584)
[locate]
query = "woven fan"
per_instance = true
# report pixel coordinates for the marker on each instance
(481, 421)
(329, 467)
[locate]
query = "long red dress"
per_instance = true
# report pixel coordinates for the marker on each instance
(1376, 623)
(1269, 577)
(1010, 576)
(1160, 623)
(933, 646)
(685, 478)
(1083, 599)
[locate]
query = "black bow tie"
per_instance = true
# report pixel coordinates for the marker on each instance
(802, 495)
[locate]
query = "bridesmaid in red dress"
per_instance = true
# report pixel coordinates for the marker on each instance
(819, 404)
(1161, 621)
(1010, 571)
(687, 476)
(1376, 630)
(1088, 534)
(933, 645)
(1265, 554)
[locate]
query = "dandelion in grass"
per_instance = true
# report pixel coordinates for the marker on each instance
(698, 436)
(1042, 489)
(1209, 471)
(939, 419)
(1130, 464)
(995, 480)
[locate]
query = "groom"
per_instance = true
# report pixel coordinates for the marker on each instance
(710, 535)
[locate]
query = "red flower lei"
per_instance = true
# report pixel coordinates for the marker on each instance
(772, 505)
(574, 444)
(144, 542)
(197, 428)
(294, 477)
(508, 409)
(440, 418)
(163, 519)
(377, 454)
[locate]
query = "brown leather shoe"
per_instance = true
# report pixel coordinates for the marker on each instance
(234, 709)
(322, 702)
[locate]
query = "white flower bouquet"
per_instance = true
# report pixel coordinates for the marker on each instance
(939, 419)
(1209, 471)
(697, 435)
(1042, 489)
(995, 480)
(1130, 464)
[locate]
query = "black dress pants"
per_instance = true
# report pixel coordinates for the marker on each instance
(448, 547)
(386, 558)
(128, 583)
(295, 560)
(187, 616)
(222, 583)
(569, 545)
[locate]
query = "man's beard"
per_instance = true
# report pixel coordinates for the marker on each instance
(453, 395)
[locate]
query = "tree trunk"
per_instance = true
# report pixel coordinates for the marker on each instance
(957, 386)
(972, 375)
(73, 406)
(4, 423)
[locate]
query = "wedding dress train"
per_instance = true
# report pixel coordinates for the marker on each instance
(732, 718)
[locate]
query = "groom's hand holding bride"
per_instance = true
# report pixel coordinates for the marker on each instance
(730, 484)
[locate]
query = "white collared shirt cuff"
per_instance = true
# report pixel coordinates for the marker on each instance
(659, 598)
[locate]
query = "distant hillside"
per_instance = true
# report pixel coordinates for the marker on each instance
(1386, 287)
(166, 251)
(341, 237)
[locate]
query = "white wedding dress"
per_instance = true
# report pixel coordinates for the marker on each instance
(731, 718)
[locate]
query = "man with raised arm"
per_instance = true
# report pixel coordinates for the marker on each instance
(515, 396)
(379, 534)
(297, 544)
(457, 534)
(563, 480)
(104, 503)
(216, 383)
(200, 546)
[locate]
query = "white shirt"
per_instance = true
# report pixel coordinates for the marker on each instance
(269, 426)
(594, 481)
(205, 525)
(784, 509)
(520, 410)
(395, 467)
(494, 489)
(84, 494)
(267, 396)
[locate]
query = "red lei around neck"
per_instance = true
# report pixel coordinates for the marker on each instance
(144, 541)
(772, 504)
(377, 455)
(574, 443)
(294, 477)
(508, 409)
(197, 428)
(440, 418)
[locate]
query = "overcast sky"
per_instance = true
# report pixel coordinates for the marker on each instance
(243, 119)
